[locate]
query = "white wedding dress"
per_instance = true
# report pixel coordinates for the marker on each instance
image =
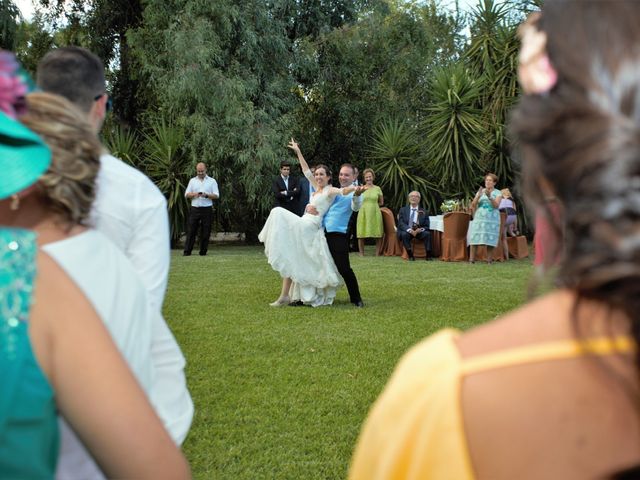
(296, 248)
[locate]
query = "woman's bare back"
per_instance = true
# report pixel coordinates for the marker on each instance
(570, 417)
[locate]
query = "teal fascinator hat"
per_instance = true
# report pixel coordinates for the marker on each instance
(24, 157)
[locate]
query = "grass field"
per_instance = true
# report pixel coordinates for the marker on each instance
(280, 393)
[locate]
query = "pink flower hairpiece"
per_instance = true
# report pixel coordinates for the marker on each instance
(535, 71)
(13, 85)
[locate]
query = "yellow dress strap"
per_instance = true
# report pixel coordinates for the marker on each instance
(558, 350)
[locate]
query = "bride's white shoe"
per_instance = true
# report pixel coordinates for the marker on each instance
(280, 302)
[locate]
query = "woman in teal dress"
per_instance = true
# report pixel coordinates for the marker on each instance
(485, 228)
(56, 356)
(369, 223)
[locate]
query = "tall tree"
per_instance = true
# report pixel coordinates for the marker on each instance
(492, 56)
(221, 69)
(102, 26)
(372, 71)
(9, 19)
(34, 41)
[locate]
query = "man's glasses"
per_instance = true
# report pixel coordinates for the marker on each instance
(109, 104)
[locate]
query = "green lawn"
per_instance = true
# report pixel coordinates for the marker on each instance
(281, 392)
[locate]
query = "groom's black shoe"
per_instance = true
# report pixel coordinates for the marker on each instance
(297, 303)
(358, 304)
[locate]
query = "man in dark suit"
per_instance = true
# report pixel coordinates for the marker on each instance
(306, 190)
(286, 188)
(413, 222)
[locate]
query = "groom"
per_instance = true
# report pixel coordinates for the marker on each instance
(336, 222)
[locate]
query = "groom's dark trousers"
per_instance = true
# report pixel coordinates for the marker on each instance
(339, 248)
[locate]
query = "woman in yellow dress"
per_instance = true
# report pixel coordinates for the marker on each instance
(369, 216)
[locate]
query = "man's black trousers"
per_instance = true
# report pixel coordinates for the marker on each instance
(199, 218)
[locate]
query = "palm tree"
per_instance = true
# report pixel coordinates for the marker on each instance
(123, 144)
(492, 56)
(168, 167)
(455, 134)
(395, 155)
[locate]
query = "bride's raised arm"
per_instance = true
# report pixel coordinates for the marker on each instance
(293, 145)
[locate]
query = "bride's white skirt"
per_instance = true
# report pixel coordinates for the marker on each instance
(297, 248)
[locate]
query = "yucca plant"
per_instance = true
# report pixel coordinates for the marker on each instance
(454, 130)
(168, 167)
(123, 144)
(395, 156)
(492, 55)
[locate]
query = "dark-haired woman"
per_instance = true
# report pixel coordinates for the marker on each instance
(550, 390)
(296, 247)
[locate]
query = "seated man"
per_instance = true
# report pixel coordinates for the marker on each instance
(413, 222)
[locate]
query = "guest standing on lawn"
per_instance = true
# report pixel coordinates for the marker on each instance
(201, 190)
(485, 228)
(286, 188)
(369, 216)
(551, 390)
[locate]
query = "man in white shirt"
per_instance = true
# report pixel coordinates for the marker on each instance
(131, 211)
(202, 190)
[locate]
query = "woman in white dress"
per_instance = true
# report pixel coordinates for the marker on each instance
(296, 246)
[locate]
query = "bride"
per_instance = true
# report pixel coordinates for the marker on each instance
(296, 246)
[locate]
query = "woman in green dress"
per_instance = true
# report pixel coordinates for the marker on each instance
(369, 216)
(485, 228)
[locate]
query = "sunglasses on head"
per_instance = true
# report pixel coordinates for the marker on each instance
(109, 104)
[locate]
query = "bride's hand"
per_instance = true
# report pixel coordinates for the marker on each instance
(293, 145)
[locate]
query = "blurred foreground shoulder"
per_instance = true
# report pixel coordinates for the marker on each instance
(415, 429)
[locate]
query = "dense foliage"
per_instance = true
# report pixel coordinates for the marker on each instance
(417, 91)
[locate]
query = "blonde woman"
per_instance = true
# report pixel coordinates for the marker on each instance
(508, 206)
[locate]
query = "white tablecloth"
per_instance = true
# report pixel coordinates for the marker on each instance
(436, 222)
